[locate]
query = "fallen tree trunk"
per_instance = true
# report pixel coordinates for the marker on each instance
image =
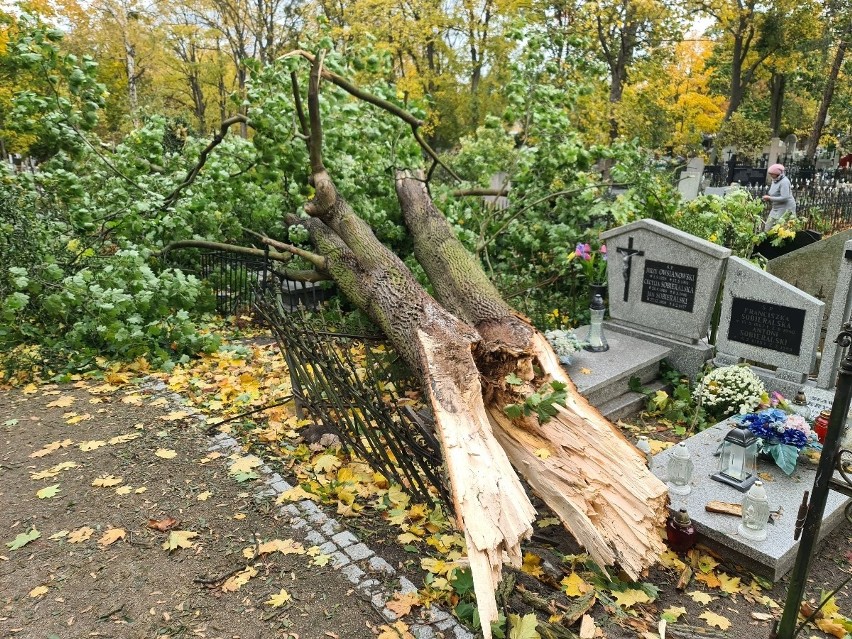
(491, 505)
(463, 347)
(578, 462)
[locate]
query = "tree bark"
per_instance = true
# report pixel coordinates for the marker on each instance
(776, 85)
(827, 96)
(591, 476)
(492, 507)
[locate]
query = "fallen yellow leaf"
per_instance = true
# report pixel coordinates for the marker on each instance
(532, 565)
(240, 579)
(575, 585)
(402, 604)
(713, 619)
(174, 416)
(63, 402)
(279, 599)
(80, 535)
(204, 496)
(179, 539)
(166, 453)
(78, 418)
(700, 597)
(91, 445)
(111, 536)
(48, 491)
(38, 591)
(107, 480)
(630, 597)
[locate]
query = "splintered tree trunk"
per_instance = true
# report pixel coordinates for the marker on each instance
(589, 474)
(491, 505)
(463, 347)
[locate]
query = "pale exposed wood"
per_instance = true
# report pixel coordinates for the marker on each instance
(591, 476)
(724, 508)
(491, 504)
(685, 579)
(587, 627)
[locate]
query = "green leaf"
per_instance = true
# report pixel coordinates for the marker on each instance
(514, 411)
(523, 627)
(23, 539)
(785, 456)
(634, 384)
(462, 581)
(513, 379)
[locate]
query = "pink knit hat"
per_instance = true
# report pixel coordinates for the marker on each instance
(776, 168)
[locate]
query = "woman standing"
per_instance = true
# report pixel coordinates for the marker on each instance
(780, 195)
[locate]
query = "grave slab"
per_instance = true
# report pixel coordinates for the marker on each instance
(768, 322)
(608, 373)
(662, 280)
(771, 558)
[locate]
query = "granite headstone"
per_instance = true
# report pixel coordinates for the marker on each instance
(663, 280)
(663, 285)
(767, 322)
(841, 307)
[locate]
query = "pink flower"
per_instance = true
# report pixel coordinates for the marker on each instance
(797, 422)
(584, 251)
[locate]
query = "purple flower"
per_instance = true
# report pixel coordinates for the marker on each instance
(584, 251)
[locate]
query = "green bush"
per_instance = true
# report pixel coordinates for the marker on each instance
(731, 221)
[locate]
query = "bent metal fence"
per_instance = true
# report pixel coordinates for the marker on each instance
(356, 387)
(236, 279)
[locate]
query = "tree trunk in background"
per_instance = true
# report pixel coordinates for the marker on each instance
(776, 85)
(736, 87)
(827, 95)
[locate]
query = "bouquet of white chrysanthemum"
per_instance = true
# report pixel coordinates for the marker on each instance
(564, 343)
(730, 390)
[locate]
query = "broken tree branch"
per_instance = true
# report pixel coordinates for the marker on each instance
(202, 158)
(293, 274)
(353, 90)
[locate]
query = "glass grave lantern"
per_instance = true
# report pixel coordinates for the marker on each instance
(755, 515)
(596, 340)
(738, 459)
(679, 470)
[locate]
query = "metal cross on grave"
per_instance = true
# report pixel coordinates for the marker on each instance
(627, 259)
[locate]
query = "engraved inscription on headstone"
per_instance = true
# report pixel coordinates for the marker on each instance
(669, 285)
(767, 325)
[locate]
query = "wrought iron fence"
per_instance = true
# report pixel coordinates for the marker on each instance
(827, 207)
(237, 278)
(355, 386)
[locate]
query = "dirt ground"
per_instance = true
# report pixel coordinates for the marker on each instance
(65, 584)
(134, 587)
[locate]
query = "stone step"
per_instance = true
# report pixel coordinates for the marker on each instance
(602, 377)
(629, 403)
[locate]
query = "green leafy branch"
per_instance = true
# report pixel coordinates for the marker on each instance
(542, 403)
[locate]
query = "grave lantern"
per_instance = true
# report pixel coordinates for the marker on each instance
(596, 340)
(755, 517)
(738, 459)
(800, 407)
(680, 470)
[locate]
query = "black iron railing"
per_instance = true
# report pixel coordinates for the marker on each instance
(236, 279)
(832, 459)
(355, 386)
